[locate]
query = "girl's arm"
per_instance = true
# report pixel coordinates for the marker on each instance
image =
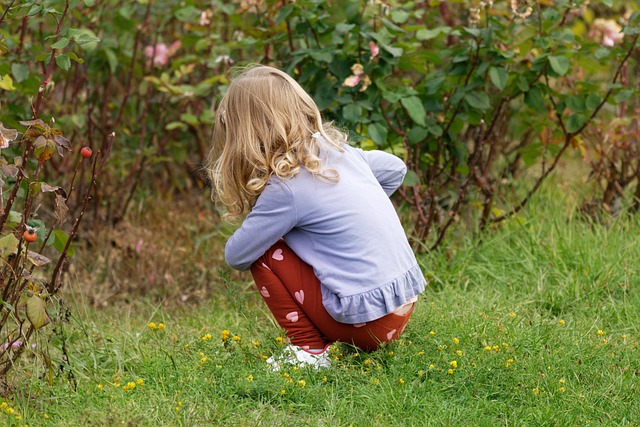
(273, 216)
(388, 169)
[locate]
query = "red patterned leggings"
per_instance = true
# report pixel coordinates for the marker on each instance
(292, 293)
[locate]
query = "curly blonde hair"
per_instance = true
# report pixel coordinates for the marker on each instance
(264, 125)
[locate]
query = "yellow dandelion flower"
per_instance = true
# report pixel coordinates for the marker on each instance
(432, 332)
(512, 314)
(561, 390)
(561, 381)
(236, 338)
(161, 326)
(324, 379)
(420, 353)
(99, 386)
(456, 341)
(450, 371)
(604, 342)
(140, 381)
(453, 364)
(536, 391)
(152, 326)
(367, 362)
(624, 339)
(225, 335)
(256, 343)
(302, 383)
(250, 378)
(487, 348)
(432, 366)
(391, 353)
(400, 381)
(459, 353)
(375, 381)
(45, 416)
(283, 392)
(561, 322)
(279, 340)
(206, 337)
(600, 332)
(496, 347)
(204, 359)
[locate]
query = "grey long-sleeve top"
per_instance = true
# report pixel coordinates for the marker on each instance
(348, 231)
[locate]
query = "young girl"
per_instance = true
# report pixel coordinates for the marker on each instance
(322, 239)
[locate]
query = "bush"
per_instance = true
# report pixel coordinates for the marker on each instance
(474, 96)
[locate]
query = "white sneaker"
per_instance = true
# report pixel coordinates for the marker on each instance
(296, 356)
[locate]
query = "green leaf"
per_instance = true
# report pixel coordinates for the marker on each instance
(396, 52)
(321, 55)
(60, 239)
(63, 61)
(37, 312)
(415, 109)
(428, 34)
(176, 125)
(601, 53)
(411, 179)
(417, 134)
(575, 122)
(20, 71)
(189, 119)
(8, 245)
(352, 112)
(559, 64)
(592, 101)
(576, 103)
(188, 13)
(61, 43)
(112, 59)
(6, 82)
(623, 95)
(499, 77)
(89, 3)
(478, 100)
(35, 9)
(534, 99)
(377, 133)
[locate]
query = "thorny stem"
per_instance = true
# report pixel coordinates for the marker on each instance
(7, 10)
(136, 46)
(53, 284)
(568, 137)
(49, 70)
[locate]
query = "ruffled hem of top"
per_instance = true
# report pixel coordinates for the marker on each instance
(376, 303)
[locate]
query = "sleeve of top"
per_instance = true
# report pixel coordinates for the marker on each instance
(388, 169)
(273, 215)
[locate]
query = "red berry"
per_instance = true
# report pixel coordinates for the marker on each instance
(30, 235)
(86, 152)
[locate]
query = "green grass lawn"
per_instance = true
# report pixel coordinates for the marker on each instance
(537, 324)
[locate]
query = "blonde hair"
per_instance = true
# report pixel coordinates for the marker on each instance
(264, 125)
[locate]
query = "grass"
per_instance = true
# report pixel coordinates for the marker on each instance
(535, 324)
